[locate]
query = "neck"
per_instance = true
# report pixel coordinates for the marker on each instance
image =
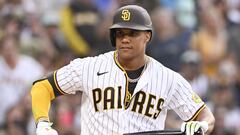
(132, 64)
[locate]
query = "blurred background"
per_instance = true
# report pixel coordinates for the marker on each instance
(198, 38)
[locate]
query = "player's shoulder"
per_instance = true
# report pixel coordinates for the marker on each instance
(165, 69)
(160, 69)
(101, 57)
(106, 56)
(156, 65)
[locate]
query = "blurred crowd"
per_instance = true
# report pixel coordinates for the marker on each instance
(200, 39)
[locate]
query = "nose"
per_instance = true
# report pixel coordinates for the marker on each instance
(125, 39)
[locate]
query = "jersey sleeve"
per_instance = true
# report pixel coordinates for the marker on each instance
(68, 79)
(184, 101)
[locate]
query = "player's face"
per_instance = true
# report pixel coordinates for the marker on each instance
(131, 43)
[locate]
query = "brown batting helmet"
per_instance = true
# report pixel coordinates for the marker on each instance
(132, 17)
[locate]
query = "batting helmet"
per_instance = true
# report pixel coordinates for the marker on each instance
(132, 17)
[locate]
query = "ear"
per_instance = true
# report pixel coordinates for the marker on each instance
(148, 36)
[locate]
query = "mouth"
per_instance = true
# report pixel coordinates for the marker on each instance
(125, 48)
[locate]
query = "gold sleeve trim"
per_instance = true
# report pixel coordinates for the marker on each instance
(197, 112)
(56, 84)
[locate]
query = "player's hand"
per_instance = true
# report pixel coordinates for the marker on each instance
(194, 127)
(44, 128)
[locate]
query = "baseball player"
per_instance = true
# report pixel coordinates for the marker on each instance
(124, 91)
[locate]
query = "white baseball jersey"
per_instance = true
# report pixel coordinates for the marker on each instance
(104, 85)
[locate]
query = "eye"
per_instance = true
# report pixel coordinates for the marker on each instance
(119, 34)
(130, 33)
(134, 33)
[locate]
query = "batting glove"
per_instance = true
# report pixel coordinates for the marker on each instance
(44, 128)
(194, 127)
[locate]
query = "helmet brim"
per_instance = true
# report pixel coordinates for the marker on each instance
(130, 26)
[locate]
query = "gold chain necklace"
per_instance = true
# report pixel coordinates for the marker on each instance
(136, 79)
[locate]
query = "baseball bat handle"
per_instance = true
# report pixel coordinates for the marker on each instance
(158, 132)
(199, 132)
(164, 132)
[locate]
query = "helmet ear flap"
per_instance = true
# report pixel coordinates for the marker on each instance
(113, 37)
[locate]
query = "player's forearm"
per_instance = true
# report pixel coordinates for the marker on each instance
(42, 94)
(206, 115)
